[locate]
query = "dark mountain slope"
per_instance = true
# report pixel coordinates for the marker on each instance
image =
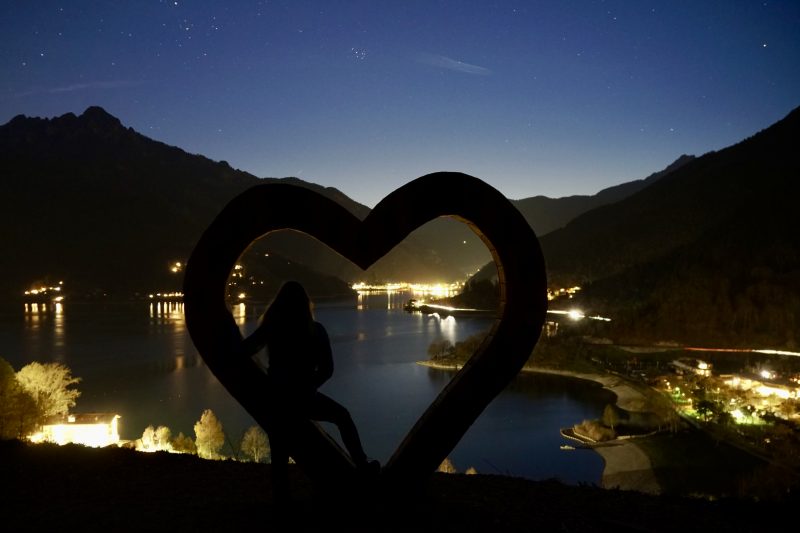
(736, 286)
(548, 214)
(455, 241)
(108, 210)
(87, 199)
(704, 194)
(710, 255)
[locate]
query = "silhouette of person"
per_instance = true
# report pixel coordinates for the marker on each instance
(299, 362)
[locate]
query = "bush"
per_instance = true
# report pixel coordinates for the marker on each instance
(594, 430)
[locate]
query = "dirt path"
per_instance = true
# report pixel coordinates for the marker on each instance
(628, 468)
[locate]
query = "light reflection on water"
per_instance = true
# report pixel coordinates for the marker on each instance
(58, 326)
(169, 315)
(46, 322)
(138, 360)
(32, 312)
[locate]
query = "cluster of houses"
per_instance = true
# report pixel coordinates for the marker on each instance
(763, 382)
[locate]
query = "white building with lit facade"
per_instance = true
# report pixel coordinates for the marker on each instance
(90, 429)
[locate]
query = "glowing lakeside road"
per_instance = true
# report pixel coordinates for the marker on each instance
(575, 314)
(578, 315)
(446, 310)
(443, 290)
(741, 350)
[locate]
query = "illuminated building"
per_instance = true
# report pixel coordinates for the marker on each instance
(90, 429)
(695, 366)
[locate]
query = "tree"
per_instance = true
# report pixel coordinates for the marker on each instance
(183, 444)
(610, 416)
(789, 408)
(19, 413)
(9, 389)
(724, 418)
(447, 467)
(705, 408)
(209, 435)
(463, 350)
(255, 444)
(49, 385)
(155, 439)
(662, 407)
(439, 349)
(146, 444)
(162, 438)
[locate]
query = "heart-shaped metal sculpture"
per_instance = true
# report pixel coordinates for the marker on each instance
(271, 207)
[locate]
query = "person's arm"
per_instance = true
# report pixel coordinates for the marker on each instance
(324, 356)
(254, 342)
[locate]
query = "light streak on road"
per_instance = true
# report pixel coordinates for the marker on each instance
(742, 350)
(576, 314)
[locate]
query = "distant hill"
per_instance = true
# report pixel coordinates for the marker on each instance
(710, 253)
(454, 240)
(90, 201)
(107, 209)
(548, 214)
(705, 251)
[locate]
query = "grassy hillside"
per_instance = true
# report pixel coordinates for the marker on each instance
(74, 488)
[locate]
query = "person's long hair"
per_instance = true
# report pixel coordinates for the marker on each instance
(289, 315)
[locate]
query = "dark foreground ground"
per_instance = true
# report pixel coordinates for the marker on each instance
(48, 488)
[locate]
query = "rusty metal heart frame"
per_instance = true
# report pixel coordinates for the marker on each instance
(275, 206)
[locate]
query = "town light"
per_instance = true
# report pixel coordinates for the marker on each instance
(575, 314)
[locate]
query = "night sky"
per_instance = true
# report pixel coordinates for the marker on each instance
(553, 98)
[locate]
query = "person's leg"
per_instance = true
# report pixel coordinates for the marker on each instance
(326, 409)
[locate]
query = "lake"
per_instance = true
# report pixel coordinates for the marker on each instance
(137, 359)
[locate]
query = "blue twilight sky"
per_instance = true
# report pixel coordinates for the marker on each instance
(554, 98)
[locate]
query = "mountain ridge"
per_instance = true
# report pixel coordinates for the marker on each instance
(88, 181)
(110, 209)
(708, 255)
(81, 186)
(546, 214)
(591, 230)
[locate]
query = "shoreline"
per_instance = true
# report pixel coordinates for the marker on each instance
(625, 465)
(628, 398)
